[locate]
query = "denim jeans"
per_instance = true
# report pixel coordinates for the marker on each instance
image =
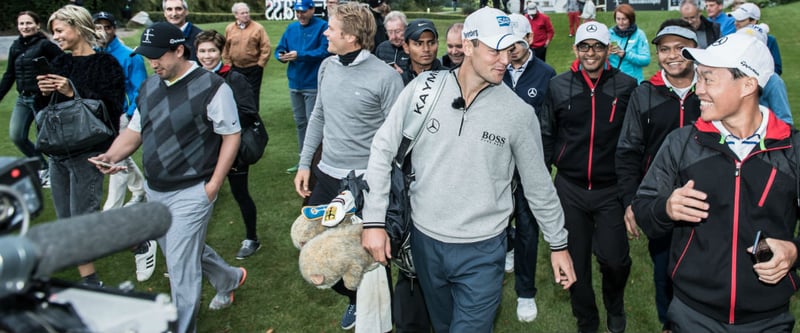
(76, 185)
(302, 105)
(19, 127)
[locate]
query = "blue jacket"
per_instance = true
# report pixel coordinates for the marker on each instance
(532, 84)
(637, 54)
(772, 44)
(133, 69)
(311, 47)
(775, 98)
(727, 24)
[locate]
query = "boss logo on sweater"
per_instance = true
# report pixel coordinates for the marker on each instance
(493, 139)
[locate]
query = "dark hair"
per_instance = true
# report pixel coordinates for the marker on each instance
(210, 36)
(627, 10)
(675, 22)
(738, 74)
(33, 15)
(719, 2)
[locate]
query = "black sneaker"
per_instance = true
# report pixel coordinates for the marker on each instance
(616, 323)
(249, 247)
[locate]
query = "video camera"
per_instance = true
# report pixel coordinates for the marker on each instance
(31, 302)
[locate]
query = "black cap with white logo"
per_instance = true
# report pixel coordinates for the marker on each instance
(159, 38)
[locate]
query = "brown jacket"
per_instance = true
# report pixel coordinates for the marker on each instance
(246, 47)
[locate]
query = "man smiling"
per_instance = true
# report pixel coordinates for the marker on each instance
(715, 186)
(581, 121)
(666, 102)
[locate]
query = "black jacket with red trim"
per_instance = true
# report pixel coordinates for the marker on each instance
(654, 111)
(709, 265)
(581, 124)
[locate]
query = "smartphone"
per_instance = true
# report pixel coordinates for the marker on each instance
(105, 164)
(761, 251)
(42, 66)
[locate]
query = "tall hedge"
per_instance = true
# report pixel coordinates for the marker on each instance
(10, 8)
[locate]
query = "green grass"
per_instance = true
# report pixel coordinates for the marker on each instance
(276, 297)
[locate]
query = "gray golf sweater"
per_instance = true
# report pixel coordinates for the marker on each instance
(352, 102)
(464, 162)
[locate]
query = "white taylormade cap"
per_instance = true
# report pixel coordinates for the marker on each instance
(740, 51)
(747, 11)
(490, 26)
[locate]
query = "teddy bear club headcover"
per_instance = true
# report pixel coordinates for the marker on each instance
(329, 239)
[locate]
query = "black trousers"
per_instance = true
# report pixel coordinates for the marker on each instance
(594, 219)
(325, 189)
(254, 74)
(686, 319)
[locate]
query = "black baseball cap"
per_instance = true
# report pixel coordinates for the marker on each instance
(105, 16)
(416, 27)
(159, 38)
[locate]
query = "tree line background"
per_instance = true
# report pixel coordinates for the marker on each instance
(200, 11)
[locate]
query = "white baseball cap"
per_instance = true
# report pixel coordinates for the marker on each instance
(532, 8)
(593, 30)
(520, 25)
(747, 11)
(740, 51)
(490, 26)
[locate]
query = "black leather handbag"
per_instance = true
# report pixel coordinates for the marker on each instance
(72, 126)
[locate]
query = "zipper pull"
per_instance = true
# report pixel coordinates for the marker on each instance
(738, 169)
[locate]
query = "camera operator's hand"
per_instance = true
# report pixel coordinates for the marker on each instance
(106, 165)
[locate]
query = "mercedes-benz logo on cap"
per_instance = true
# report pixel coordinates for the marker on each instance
(720, 41)
(591, 28)
(433, 125)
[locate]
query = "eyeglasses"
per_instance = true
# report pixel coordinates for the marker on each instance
(597, 47)
(396, 32)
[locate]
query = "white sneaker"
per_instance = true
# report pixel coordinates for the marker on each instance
(44, 178)
(145, 257)
(510, 261)
(135, 199)
(526, 309)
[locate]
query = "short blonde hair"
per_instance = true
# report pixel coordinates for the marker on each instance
(78, 18)
(357, 21)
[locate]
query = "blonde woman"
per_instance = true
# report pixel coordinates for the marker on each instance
(76, 184)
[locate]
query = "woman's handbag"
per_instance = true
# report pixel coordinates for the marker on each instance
(72, 126)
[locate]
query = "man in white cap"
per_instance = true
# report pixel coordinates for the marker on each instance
(658, 106)
(529, 77)
(542, 31)
(749, 14)
(477, 131)
(717, 186)
(581, 120)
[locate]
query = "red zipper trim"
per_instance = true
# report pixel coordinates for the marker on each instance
(735, 242)
(683, 253)
(613, 110)
(591, 85)
(561, 153)
(768, 187)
